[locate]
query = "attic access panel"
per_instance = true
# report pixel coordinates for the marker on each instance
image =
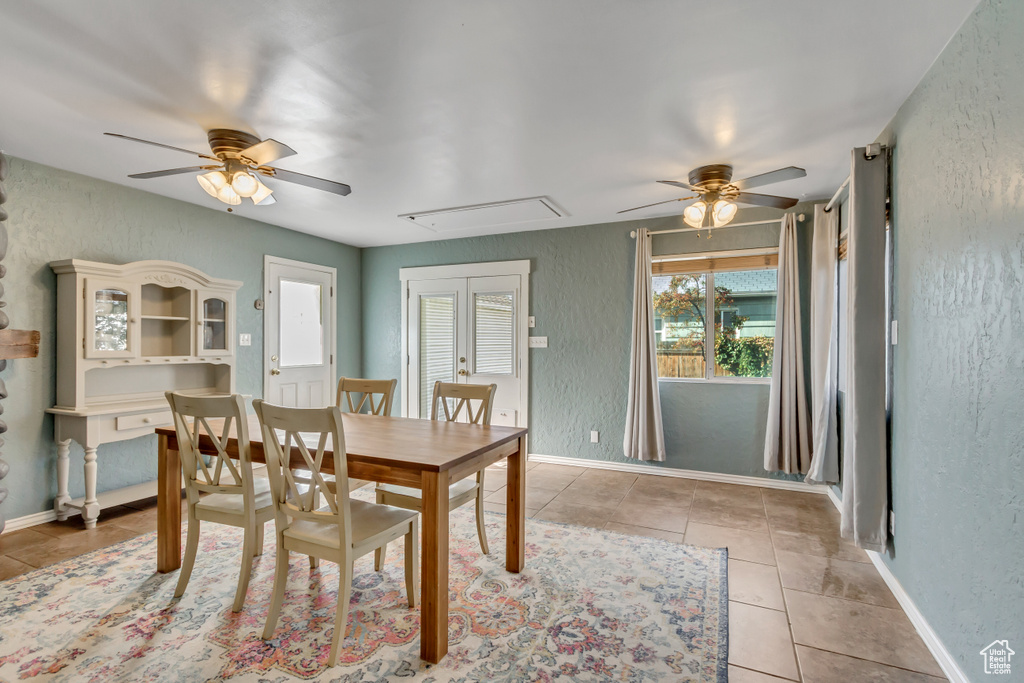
(486, 215)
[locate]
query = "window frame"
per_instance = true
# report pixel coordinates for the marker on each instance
(709, 321)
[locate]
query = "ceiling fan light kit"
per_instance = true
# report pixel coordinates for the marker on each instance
(241, 158)
(718, 194)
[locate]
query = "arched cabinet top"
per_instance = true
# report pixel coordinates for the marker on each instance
(168, 273)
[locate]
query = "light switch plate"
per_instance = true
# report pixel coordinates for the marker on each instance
(531, 321)
(538, 342)
(594, 437)
(245, 340)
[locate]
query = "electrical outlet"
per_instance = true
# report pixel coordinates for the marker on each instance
(538, 342)
(245, 340)
(892, 523)
(594, 437)
(531, 321)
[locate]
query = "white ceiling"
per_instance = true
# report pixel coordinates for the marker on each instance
(429, 105)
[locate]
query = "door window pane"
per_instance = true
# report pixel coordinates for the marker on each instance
(437, 345)
(680, 308)
(111, 323)
(745, 322)
(302, 326)
(493, 336)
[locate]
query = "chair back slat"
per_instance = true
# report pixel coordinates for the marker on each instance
(300, 439)
(376, 395)
(221, 471)
(450, 399)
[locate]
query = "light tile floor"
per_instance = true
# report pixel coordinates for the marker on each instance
(805, 605)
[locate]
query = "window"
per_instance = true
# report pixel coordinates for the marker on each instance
(740, 318)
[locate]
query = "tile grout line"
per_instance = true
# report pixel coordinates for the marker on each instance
(785, 603)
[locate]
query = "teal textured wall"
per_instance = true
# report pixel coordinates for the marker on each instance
(58, 215)
(581, 294)
(958, 413)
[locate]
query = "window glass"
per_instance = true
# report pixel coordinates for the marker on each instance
(745, 322)
(302, 325)
(437, 345)
(680, 309)
(493, 333)
(111, 326)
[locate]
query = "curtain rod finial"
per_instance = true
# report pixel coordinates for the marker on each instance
(632, 233)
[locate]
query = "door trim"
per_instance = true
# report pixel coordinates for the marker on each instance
(468, 270)
(333, 343)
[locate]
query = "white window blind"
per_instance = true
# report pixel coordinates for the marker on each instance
(437, 345)
(493, 333)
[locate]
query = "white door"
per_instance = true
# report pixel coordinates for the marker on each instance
(470, 329)
(299, 333)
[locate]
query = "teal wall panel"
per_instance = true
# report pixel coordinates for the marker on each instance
(581, 295)
(958, 412)
(58, 215)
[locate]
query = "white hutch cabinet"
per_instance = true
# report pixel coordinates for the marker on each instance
(125, 335)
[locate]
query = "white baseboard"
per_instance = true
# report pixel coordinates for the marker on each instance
(30, 520)
(638, 468)
(107, 499)
(945, 660)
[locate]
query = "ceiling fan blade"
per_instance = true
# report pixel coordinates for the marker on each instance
(766, 200)
(160, 144)
(307, 180)
(667, 201)
(266, 152)
(170, 171)
(776, 176)
(677, 183)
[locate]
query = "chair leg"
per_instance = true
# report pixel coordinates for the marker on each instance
(341, 612)
(314, 562)
(481, 529)
(280, 583)
(380, 553)
(258, 550)
(248, 552)
(191, 547)
(412, 561)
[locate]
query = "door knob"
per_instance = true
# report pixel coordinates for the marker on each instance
(463, 373)
(275, 371)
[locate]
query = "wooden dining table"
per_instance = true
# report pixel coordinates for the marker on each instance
(424, 454)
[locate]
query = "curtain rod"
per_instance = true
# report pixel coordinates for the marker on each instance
(835, 197)
(632, 233)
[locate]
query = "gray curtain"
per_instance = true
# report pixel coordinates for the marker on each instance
(865, 466)
(824, 467)
(787, 446)
(645, 436)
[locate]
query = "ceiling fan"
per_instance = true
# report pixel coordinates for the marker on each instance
(716, 190)
(238, 160)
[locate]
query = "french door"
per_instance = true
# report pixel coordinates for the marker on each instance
(299, 333)
(467, 329)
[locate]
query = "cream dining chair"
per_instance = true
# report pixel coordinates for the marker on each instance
(376, 395)
(232, 495)
(448, 402)
(353, 395)
(342, 530)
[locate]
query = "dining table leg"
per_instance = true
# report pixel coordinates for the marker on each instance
(434, 584)
(515, 510)
(168, 508)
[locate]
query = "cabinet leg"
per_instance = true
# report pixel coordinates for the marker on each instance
(63, 463)
(91, 507)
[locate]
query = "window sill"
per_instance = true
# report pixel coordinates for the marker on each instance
(718, 380)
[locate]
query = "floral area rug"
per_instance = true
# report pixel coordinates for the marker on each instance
(591, 606)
